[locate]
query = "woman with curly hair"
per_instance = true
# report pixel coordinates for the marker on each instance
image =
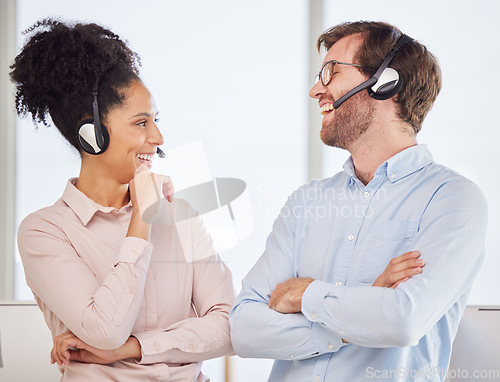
(125, 300)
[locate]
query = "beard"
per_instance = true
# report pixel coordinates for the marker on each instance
(351, 120)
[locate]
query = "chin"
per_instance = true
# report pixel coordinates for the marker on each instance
(333, 140)
(126, 176)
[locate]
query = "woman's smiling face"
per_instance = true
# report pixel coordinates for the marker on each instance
(133, 133)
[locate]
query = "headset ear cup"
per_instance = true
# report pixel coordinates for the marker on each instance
(387, 85)
(92, 139)
(389, 94)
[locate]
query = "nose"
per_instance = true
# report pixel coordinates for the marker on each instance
(317, 90)
(155, 136)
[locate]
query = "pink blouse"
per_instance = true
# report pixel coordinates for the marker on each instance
(173, 293)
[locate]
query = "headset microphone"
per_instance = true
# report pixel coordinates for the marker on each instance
(365, 85)
(385, 83)
(160, 152)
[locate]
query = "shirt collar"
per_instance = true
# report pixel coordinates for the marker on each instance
(349, 170)
(407, 162)
(402, 164)
(84, 207)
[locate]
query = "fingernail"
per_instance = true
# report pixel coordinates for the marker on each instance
(420, 262)
(417, 270)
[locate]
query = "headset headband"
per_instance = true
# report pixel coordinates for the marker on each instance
(404, 39)
(95, 107)
(97, 122)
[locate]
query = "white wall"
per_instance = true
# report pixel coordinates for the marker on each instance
(24, 335)
(7, 148)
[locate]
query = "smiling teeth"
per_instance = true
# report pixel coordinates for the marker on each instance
(148, 157)
(326, 108)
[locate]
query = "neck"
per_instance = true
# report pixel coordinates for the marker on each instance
(102, 188)
(375, 147)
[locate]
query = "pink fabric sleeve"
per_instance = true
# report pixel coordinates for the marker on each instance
(206, 336)
(100, 314)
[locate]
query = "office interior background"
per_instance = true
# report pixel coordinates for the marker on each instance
(235, 76)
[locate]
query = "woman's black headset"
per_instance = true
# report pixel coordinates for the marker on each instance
(93, 136)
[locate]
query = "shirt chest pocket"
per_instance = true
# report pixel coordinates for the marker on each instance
(386, 241)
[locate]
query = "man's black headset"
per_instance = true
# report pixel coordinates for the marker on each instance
(385, 83)
(93, 136)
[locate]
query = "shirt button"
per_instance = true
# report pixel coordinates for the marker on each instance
(366, 194)
(292, 356)
(313, 316)
(338, 283)
(330, 347)
(393, 176)
(341, 332)
(156, 346)
(317, 378)
(191, 347)
(350, 237)
(131, 289)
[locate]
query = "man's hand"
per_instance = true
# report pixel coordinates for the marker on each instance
(287, 296)
(62, 354)
(400, 269)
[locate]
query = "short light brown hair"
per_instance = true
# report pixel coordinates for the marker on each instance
(417, 66)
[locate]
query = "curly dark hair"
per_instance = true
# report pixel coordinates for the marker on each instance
(60, 65)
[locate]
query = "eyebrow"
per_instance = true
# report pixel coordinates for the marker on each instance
(143, 114)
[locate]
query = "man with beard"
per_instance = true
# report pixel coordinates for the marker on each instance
(370, 285)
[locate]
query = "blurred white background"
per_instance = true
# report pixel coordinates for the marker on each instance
(234, 74)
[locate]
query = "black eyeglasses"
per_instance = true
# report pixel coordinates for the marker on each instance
(325, 74)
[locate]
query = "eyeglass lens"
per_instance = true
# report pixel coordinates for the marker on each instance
(325, 74)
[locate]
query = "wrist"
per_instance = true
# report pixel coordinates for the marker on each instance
(138, 227)
(130, 349)
(300, 292)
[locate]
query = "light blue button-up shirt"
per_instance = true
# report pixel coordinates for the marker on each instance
(343, 234)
